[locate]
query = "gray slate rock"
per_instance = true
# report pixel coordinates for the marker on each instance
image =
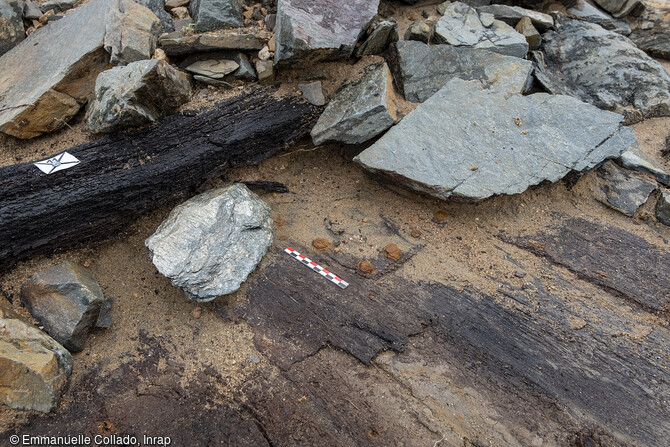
(492, 143)
(137, 94)
(359, 111)
(421, 70)
(213, 68)
(31, 11)
(620, 8)
(603, 68)
(66, 300)
(209, 15)
(380, 36)
(210, 244)
(266, 72)
(636, 160)
(586, 11)
(462, 25)
(622, 190)
(663, 208)
(158, 8)
(34, 368)
(58, 5)
(512, 14)
(313, 92)
(131, 32)
(309, 31)
(175, 44)
(653, 31)
(244, 72)
(11, 24)
(40, 96)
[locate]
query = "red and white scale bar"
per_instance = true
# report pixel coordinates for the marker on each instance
(332, 277)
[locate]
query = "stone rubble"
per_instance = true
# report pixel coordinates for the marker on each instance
(11, 24)
(622, 190)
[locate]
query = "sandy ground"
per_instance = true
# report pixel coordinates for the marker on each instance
(326, 190)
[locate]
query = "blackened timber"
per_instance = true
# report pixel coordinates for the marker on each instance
(126, 175)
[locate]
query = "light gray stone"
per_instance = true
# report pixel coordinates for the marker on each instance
(137, 94)
(380, 36)
(210, 244)
(209, 15)
(461, 25)
(469, 143)
(603, 68)
(512, 14)
(622, 190)
(309, 31)
(420, 70)
(158, 8)
(663, 208)
(34, 368)
(620, 8)
(586, 11)
(266, 72)
(313, 92)
(31, 11)
(58, 5)
(245, 70)
(653, 31)
(213, 68)
(636, 160)
(66, 300)
(359, 111)
(175, 44)
(131, 32)
(65, 58)
(11, 24)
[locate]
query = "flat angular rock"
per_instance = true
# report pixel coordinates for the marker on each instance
(309, 31)
(622, 190)
(266, 72)
(58, 5)
(31, 11)
(636, 160)
(359, 111)
(380, 36)
(493, 143)
(209, 15)
(620, 8)
(313, 92)
(245, 70)
(11, 24)
(137, 94)
(175, 44)
(512, 14)
(40, 96)
(533, 37)
(34, 368)
(586, 11)
(603, 68)
(131, 32)
(653, 31)
(158, 8)
(421, 70)
(66, 300)
(663, 208)
(462, 25)
(421, 30)
(210, 244)
(212, 68)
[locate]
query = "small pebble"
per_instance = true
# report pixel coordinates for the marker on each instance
(196, 312)
(440, 216)
(415, 233)
(519, 274)
(254, 359)
(392, 251)
(365, 267)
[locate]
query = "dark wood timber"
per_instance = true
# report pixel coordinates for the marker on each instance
(125, 175)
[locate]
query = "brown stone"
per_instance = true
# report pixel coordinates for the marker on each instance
(365, 267)
(415, 233)
(171, 4)
(320, 243)
(440, 216)
(392, 251)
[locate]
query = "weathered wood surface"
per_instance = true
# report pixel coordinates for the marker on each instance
(530, 349)
(126, 175)
(614, 259)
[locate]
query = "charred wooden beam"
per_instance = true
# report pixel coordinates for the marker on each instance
(126, 175)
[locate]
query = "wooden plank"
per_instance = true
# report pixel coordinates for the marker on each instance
(126, 175)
